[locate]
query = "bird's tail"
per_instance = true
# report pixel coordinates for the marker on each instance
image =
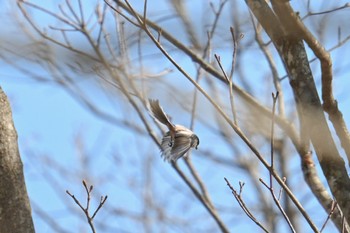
(158, 113)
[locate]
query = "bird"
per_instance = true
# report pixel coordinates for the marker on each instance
(178, 140)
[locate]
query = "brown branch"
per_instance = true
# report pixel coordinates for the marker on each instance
(278, 204)
(319, 190)
(293, 53)
(272, 136)
(240, 201)
(294, 25)
(235, 41)
(199, 181)
(86, 210)
(272, 65)
(346, 5)
(309, 169)
(218, 59)
(270, 186)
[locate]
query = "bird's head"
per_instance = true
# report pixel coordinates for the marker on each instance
(194, 141)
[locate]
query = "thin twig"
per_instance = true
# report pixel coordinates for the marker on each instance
(347, 5)
(274, 101)
(229, 80)
(334, 206)
(278, 204)
(272, 64)
(233, 64)
(86, 210)
(239, 199)
(270, 186)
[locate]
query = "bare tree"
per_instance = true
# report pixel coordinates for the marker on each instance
(218, 65)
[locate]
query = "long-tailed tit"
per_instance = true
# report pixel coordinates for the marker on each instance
(178, 140)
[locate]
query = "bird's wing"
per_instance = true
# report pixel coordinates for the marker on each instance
(165, 147)
(181, 145)
(172, 153)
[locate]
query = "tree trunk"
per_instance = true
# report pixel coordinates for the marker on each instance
(15, 211)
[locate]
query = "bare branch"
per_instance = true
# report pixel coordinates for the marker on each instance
(86, 210)
(239, 199)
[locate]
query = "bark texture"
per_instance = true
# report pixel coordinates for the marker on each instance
(288, 35)
(15, 211)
